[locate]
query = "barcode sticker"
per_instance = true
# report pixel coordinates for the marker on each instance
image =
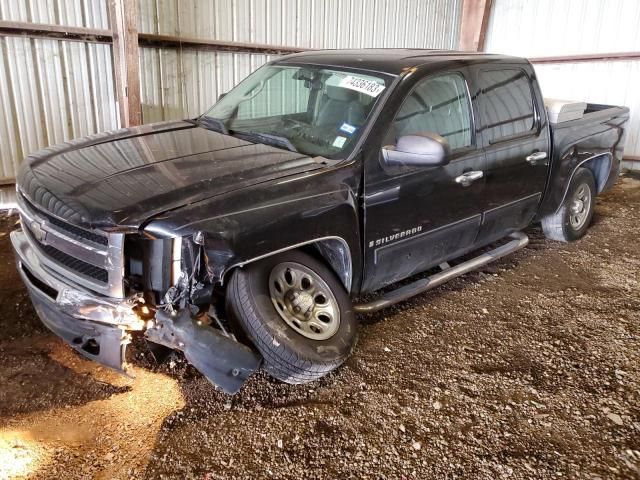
(349, 129)
(362, 85)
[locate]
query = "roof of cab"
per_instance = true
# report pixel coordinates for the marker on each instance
(388, 60)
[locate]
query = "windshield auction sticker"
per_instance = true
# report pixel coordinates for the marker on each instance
(339, 142)
(368, 87)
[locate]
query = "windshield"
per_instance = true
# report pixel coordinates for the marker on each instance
(308, 109)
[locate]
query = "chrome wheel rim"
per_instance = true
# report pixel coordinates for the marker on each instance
(304, 301)
(579, 206)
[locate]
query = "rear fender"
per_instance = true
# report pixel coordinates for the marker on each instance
(600, 166)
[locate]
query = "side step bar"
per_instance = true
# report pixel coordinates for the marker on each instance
(519, 240)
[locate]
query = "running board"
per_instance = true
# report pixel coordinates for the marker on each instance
(519, 240)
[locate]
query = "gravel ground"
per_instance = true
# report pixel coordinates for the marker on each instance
(527, 369)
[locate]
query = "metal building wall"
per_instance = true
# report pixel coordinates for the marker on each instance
(613, 83)
(178, 84)
(552, 28)
(51, 90)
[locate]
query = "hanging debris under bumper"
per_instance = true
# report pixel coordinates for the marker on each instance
(221, 359)
(100, 327)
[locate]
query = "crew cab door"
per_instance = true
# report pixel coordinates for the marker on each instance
(418, 217)
(515, 139)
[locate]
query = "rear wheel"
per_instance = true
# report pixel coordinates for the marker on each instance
(296, 313)
(572, 220)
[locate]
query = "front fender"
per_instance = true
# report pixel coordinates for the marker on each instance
(253, 223)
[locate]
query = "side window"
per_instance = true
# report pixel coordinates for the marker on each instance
(439, 105)
(507, 103)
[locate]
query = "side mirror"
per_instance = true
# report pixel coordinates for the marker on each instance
(221, 96)
(419, 150)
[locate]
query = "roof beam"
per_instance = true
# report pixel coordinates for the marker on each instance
(60, 32)
(169, 41)
(473, 27)
(592, 57)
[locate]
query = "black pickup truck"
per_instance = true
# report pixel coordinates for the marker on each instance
(247, 235)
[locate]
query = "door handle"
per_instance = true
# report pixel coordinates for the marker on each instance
(536, 157)
(468, 178)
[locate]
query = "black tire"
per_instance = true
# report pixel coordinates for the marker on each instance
(288, 355)
(559, 226)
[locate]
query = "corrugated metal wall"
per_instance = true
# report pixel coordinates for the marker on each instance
(613, 83)
(51, 90)
(552, 28)
(178, 84)
(309, 23)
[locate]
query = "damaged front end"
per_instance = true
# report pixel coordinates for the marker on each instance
(167, 293)
(185, 315)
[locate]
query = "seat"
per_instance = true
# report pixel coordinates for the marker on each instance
(447, 114)
(340, 105)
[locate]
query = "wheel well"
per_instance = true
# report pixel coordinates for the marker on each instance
(600, 166)
(334, 251)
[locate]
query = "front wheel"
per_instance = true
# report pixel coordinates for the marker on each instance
(572, 220)
(296, 312)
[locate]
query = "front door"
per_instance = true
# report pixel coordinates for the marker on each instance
(418, 217)
(516, 146)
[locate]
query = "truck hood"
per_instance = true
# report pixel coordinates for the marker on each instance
(118, 180)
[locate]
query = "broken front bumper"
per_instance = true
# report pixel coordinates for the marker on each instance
(95, 326)
(99, 327)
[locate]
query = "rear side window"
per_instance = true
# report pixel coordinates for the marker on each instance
(439, 105)
(507, 106)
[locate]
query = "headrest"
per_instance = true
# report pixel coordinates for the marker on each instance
(341, 94)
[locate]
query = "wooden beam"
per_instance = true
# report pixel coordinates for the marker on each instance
(473, 28)
(60, 32)
(168, 41)
(593, 57)
(123, 17)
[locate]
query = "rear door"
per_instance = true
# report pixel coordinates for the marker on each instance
(516, 145)
(419, 217)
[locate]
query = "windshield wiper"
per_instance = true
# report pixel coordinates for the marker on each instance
(218, 125)
(267, 138)
(211, 123)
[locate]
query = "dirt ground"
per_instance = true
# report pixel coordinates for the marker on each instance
(527, 369)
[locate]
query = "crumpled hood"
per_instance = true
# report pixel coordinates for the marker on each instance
(121, 179)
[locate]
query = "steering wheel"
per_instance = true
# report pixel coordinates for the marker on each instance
(308, 133)
(295, 123)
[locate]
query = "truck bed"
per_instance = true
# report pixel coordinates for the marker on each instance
(595, 112)
(595, 141)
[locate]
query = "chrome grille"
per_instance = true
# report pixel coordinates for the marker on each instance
(82, 233)
(77, 265)
(90, 258)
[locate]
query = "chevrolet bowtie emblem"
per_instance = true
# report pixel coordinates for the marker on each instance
(37, 231)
